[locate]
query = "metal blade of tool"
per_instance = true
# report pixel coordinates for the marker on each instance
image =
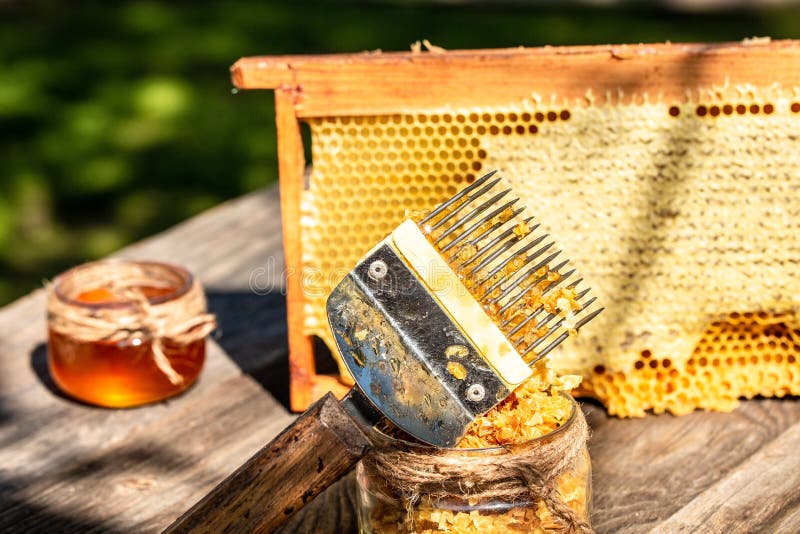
(395, 338)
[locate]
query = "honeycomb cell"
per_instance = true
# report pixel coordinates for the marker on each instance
(618, 185)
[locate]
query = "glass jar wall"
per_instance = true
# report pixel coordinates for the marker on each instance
(394, 504)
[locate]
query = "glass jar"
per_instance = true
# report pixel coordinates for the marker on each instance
(385, 504)
(124, 333)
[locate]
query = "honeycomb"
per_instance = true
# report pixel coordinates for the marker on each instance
(685, 216)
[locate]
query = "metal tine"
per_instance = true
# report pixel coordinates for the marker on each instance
(458, 196)
(538, 310)
(561, 337)
(564, 336)
(474, 213)
(541, 307)
(482, 220)
(516, 283)
(491, 229)
(506, 246)
(496, 226)
(488, 246)
(463, 205)
(499, 251)
(550, 316)
(536, 282)
(530, 258)
(555, 327)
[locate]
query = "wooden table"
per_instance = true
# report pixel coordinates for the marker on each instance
(67, 467)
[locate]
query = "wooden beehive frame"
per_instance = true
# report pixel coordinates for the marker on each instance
(389, 83)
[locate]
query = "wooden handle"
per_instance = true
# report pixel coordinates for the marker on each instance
(316, 450)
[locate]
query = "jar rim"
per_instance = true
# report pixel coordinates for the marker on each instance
(375, 434)
(185, 276)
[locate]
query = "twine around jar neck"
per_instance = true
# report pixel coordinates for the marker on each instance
(527, 471)
(178, 318)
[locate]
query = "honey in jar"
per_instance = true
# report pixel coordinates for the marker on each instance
(124, 333)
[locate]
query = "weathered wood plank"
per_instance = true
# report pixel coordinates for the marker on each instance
(749, 499)
(333, 512)
(145, 480)
(68, 467)
(646, 470)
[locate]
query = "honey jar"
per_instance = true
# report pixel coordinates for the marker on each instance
(124, 333)
(541, 485)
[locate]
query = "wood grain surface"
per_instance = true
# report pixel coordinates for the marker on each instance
(68, 467)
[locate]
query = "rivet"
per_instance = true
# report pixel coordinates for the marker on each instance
(378, 270)
(476, 393)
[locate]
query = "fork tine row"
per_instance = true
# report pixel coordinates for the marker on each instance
(544, 322)
(564, 335)
(520, 294)
(487, 225)
(551, 285)
(490, 244)
(483, 220)
(458, 196)
(529, 259)
(471, 214)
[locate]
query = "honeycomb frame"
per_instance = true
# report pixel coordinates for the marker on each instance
(736, 348)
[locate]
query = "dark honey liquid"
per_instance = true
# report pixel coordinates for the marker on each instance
(120, 374)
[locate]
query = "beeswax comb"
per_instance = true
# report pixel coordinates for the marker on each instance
(438, 323)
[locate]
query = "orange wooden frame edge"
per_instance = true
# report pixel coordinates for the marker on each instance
(394, 82)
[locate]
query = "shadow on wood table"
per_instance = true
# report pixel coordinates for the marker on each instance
(252, 332)
(40, 519)
(42, 372)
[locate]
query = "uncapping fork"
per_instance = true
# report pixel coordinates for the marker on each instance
(438, 323)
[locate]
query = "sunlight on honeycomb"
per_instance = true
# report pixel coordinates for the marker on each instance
(744, 356)
(684, 218)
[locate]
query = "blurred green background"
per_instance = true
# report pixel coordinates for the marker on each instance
(117, 119)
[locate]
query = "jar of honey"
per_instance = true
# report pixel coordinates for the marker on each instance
(124, 333)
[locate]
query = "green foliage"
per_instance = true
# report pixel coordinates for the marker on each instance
(117, 119)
